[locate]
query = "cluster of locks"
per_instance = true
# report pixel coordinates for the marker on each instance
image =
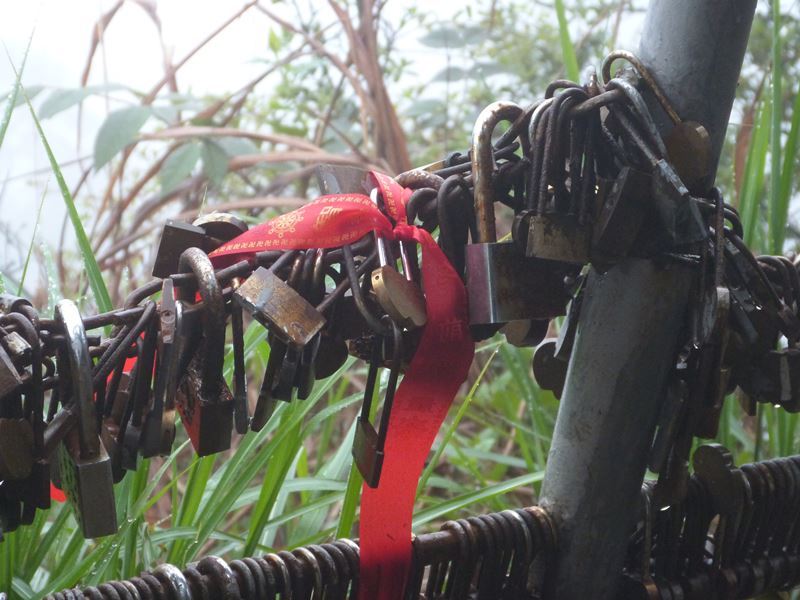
(587, 179)
(734, 534)
(497, 555)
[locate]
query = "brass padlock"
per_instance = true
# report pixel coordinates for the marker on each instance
(400, 297)
(279, 308)
(558, 226)
(502, 284)
(369, 443)
(84, 463)
(203, 399)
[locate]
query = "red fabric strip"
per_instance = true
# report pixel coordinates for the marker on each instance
(431, 382)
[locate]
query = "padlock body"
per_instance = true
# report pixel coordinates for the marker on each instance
(621, 215)
(503, 285)
(89, 486)
(208, 420)
(558, 237)
(175, 238)
(278, 307)
(367, 456)
(16, 448)
(678, 218)
(10, 379)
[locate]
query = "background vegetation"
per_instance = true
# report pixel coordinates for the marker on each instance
(334, 88)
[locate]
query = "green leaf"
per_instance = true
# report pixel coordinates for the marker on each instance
(179, 165)
(567, 49)
(33, 91)
(237, 146)
(274, 41)
(166, 113)
(424, 106)
(215, 161)
(482, 494)
(444, 37)
(451, 73)
(96, 282)
(117, 131)
(61, 99)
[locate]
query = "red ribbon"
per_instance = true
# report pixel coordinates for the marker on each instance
(437, 370)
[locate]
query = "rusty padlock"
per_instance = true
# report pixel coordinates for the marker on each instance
(204, 399)
(84, 463)
(279, 308)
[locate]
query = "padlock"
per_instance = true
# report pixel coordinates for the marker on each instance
(278, 307)
(550, 372)
(559, 237)
(398, 295)
(36, 493)
(18, 348)
(266, 402)
(689, 152)
(116, 406)
(141, 397)
(502, 284)
(219, 227)
(158, 429)
(331, 355)
(621, 215)
(674, 216)
(16, 448)
(10, 379)
(10, 303)
(84, 463)
(557, 227)
(203, 399)
(176, 237)
(369, 443)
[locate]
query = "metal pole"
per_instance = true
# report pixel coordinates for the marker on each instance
(630, 319)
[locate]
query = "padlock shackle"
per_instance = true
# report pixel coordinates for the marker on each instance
(642, 112)
(646, 76)
(212, 318)
(80, 369)
(483, 164)
(537, 127)
(558, 114)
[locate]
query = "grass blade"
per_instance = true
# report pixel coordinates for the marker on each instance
(102, 298)
(12, 100)
(567, 49)
(33, 241)
(777, 212)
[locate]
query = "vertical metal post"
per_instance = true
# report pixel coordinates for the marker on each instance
(630, 319)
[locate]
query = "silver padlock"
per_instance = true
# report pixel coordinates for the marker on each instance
(502, 284)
